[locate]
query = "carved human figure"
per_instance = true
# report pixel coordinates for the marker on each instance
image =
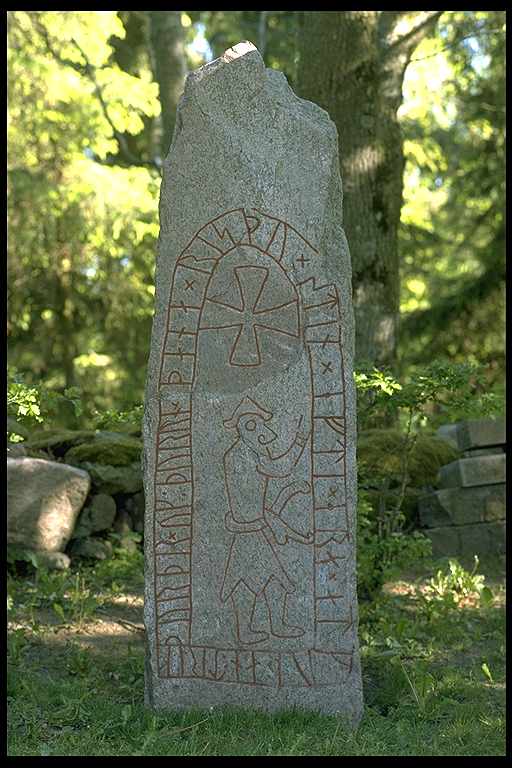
(253, 567)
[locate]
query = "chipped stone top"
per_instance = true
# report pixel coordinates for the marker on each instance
(213, 67)
(236, 116)
(241, 72)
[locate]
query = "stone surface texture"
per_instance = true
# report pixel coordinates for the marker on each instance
(475, 471)
(93, 548)
(471, 539)
(249, 427)
(458, 506)
(16, 450)
(448, 432)
(44, 499)
(98, 515)
(481, 433)
(53, 561)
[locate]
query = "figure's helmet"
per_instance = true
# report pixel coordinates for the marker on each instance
(249, 420)
(247, 407)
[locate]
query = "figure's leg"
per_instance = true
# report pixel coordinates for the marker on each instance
(275, 597)
(244, 603)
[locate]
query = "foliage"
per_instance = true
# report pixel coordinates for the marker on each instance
(83, 188)
(382, 550)
(81, 251)
(120, 420)
(450, 587)
(453, 220)
(44, 415)
(82, 206)
(394, 460)
(32, 406)
(432, 393)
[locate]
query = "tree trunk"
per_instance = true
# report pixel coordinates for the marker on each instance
(167, 46)
(351, 66)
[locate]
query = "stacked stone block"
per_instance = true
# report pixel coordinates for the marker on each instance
(466, 515)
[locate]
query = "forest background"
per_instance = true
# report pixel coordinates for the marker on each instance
(419, 101)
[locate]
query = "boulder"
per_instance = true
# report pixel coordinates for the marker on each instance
(123, 522)
(102, 512)
(44, 499)
(445, 540)
(252, 338)
(16, 450)
(58, 441)
(135, 506)
(95, 549)
(457, 506)
(53, 561)
(448, 433)
(112, 480)
(468, 540)
(99, 515)
(483, 451)
(481, 433)
(380, 453)
(128, 544)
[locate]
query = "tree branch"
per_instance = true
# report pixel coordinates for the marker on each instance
(121, 140)
(89, 71)
(456, 42)
(411, 39)
(386, 26)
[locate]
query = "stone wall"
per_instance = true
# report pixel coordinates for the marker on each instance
(466, 515)
(70, 490)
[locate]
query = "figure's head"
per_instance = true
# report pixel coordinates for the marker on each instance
(251, 422)
(254, 432)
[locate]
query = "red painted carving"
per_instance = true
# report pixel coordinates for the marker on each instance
(256, 523)
(251, 315)
(278, 252)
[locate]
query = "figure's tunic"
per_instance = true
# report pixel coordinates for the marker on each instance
(253, 558)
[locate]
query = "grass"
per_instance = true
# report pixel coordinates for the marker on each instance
(433, 669)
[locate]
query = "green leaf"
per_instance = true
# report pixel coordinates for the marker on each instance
(59, 610)
(487, 672)
(487, 596)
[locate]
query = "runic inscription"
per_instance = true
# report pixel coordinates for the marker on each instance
(253, 276)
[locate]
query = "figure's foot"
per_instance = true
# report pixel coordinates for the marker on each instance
(286, 630)
(252, 638)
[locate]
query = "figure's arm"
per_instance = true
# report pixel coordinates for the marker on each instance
(282, 466)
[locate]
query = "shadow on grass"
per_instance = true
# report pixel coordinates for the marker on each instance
(81, 692)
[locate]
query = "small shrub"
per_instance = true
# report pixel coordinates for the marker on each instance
(453, 585)
(380, 554)
(392, 460)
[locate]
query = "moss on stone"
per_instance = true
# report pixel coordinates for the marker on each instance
(380, 453)
(109, 448)
(112, 480)
(57, 441)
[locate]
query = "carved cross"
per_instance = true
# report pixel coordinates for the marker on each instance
(245, 306)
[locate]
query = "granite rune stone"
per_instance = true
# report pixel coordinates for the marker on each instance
(249, 428)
